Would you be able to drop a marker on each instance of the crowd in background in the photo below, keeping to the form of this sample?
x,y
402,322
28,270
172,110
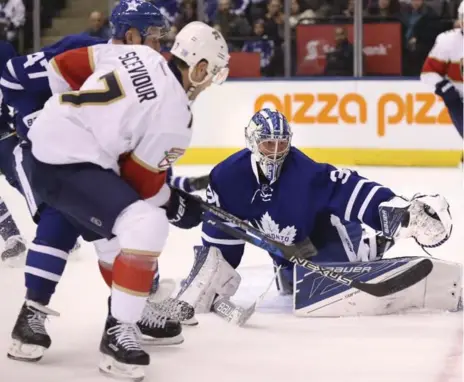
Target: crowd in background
x,y
258,25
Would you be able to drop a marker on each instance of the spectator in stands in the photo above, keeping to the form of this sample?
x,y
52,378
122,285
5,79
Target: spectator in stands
x,y
187,14
349,10
325,9
297,16
340,61
12,18
98,26
421,28
258,9
274,21
237,7
346,7
385,9
168,40
169,9
262,45
231,24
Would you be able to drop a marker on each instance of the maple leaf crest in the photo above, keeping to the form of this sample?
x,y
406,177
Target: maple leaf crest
x,y
268,226
290,233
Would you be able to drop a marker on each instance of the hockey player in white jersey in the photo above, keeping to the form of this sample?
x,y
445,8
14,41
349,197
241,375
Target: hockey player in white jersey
x,y
289,197
116,137
443,70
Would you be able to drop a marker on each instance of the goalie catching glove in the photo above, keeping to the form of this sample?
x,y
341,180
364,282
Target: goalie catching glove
x,y
426,218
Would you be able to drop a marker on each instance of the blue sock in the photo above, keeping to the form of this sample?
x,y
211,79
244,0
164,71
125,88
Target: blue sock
x,y
48,255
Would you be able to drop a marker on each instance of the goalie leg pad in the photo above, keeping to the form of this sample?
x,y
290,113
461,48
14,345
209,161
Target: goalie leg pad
x,y
316,296
211,275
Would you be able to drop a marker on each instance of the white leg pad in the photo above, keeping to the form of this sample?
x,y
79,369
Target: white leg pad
x,y
443,287
210,276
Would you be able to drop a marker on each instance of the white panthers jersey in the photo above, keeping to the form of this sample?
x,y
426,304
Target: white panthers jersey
x,y
445,60
132,106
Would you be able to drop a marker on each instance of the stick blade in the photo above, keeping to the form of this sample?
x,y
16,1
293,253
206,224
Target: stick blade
x,y
399,282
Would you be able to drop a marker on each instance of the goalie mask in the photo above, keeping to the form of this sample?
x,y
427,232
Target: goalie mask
x,y
268,137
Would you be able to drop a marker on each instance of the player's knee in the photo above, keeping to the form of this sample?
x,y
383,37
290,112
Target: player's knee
x,y
107,250
142,227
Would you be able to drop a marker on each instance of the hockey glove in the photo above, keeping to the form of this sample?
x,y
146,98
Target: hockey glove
x,y
426,218
199,183
181,212
453,101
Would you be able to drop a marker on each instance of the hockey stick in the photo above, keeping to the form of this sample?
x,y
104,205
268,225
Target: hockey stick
x,y
296,253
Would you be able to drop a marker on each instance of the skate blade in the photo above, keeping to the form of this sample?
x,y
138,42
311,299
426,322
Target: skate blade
x,y
152,341
112,368
16,261
190,322
25,352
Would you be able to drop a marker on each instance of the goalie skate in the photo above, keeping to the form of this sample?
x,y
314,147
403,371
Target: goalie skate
x,y
30,338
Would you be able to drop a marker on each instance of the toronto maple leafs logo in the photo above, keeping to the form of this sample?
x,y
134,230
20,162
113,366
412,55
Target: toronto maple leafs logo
x,y
269,227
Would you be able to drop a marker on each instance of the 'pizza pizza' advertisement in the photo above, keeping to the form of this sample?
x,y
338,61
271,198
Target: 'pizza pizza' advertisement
x,y
367,122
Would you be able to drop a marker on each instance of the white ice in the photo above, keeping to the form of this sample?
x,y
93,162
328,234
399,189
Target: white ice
x,y
275,346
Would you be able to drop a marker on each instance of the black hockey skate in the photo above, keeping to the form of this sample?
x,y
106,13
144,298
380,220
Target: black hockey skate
x,y
30,338
157,328
123,356
174,309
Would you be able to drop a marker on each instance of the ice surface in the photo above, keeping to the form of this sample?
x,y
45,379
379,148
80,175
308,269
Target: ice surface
x,y
275,346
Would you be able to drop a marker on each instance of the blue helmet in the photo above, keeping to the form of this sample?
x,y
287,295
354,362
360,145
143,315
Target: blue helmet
x,y
269,137
139,14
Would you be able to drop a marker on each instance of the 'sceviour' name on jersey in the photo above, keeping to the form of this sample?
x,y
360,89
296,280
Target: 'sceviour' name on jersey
x,y
139,76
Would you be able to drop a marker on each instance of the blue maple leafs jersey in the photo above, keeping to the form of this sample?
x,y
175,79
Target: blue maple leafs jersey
x,y
309,199
7,52
24,82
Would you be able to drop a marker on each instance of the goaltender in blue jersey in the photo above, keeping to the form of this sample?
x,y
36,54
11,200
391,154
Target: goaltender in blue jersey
x,y
289,197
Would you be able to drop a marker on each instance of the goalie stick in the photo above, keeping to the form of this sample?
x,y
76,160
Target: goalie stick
x,y
298,253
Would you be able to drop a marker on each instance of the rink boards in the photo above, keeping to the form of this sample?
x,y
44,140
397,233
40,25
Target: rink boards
x,y
368,122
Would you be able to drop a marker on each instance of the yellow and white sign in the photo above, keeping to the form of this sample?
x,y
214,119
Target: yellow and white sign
x,y
341,122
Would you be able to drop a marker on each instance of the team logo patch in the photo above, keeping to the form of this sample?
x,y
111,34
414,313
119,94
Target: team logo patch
x,y
170,157
271,229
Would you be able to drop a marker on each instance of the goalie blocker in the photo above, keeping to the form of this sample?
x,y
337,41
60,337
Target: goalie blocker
x,y
318,296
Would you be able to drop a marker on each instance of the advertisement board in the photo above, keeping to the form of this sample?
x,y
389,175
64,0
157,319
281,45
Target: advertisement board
x,y
382,47
342,122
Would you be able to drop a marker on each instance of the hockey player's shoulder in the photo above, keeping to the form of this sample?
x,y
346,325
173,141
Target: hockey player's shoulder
x,y
73,41
234,168
450,36
300,161
304,169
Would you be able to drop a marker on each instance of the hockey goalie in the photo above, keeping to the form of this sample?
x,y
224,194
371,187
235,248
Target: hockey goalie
x,y
351,222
